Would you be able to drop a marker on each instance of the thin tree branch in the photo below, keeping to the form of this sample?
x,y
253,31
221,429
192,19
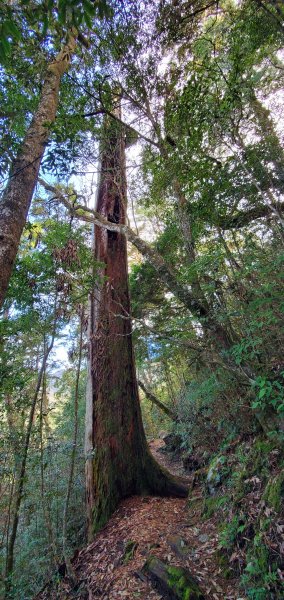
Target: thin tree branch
x,y
150,396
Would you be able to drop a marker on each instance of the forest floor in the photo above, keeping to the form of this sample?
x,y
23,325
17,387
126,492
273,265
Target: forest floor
x,y
111,568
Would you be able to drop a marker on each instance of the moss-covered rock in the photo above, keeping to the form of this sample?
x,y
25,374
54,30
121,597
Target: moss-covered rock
x,y
174,583
258,459
274,492
214,474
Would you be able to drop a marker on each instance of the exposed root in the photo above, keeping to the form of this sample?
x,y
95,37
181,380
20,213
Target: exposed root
x,y
162,483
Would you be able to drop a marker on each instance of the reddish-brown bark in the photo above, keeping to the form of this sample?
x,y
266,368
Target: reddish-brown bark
x,y
122,463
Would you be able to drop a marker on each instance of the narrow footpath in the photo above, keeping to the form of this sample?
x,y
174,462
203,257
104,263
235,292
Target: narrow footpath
x,y
173,530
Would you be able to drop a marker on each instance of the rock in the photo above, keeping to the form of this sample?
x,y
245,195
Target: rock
x,y
203,538
162,435
174,583
179,546
214,473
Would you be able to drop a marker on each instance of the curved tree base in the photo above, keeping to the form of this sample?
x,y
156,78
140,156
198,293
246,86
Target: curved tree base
x,y
161,482
153,479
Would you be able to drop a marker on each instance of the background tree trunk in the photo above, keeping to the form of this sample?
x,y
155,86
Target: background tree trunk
x,y
152,398
17,500
18,194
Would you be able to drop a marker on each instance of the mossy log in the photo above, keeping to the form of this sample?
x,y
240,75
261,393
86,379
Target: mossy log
x,y
174,583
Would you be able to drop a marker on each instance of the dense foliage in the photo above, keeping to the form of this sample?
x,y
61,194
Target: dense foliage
x,y
202,105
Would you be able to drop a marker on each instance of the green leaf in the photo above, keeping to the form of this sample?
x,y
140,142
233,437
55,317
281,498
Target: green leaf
x,y
5,47
88,20
12,29
89,8
45,24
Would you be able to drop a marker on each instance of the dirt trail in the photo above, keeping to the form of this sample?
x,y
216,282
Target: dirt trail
x,y
110,567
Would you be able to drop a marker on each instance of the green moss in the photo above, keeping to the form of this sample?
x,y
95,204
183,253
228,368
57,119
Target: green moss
x,y
274,492
239,485
130,548
173,581
258,460
181,585
213,503
174,571
223,561
209,507
261,553
193,501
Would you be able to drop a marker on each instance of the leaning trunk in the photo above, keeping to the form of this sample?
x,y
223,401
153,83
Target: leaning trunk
x,y
122,464
18,194
152,398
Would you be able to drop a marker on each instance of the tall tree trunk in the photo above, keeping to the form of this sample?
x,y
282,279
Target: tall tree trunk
x,y
217,338
17,500
70,570
89,427
122,463
18,194
45,500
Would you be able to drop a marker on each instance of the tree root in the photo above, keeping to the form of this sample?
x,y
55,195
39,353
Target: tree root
x,y
161,482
